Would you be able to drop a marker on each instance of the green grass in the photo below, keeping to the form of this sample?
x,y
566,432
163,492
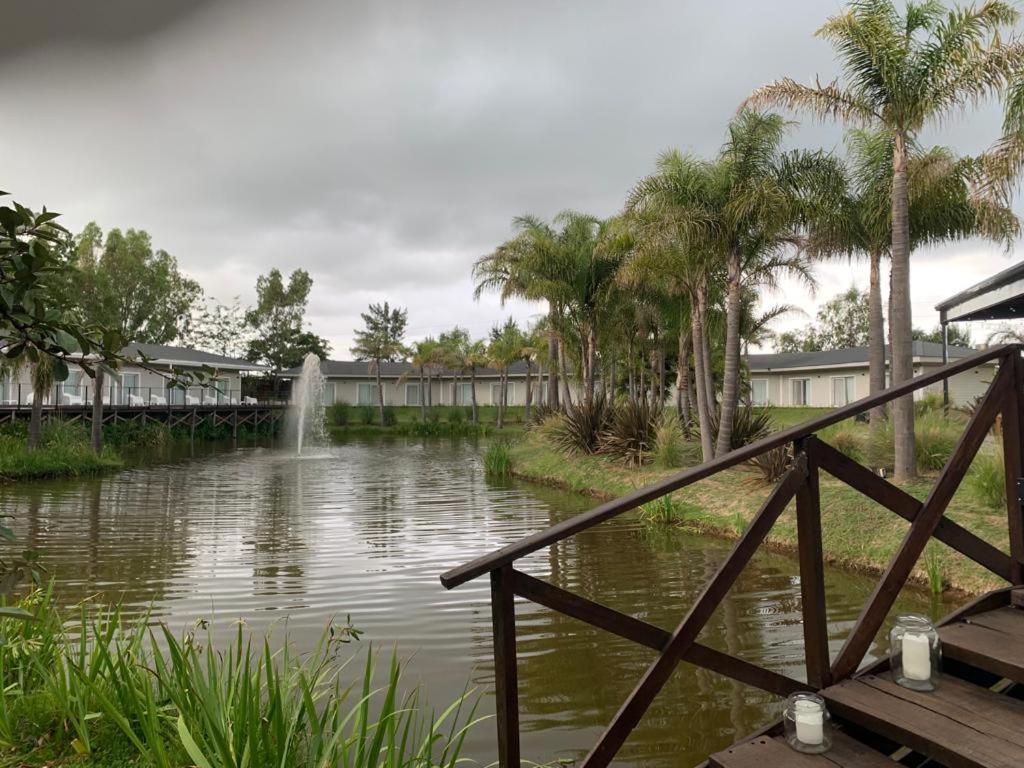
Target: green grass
x,y
106,691
498,460
857,533
788,417
64,452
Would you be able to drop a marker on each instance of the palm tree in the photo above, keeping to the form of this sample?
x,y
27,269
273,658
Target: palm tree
x,y
420,355
903,72
942,206
505,347
42,377
379,341
476,355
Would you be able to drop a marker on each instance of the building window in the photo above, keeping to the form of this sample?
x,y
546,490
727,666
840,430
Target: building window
x,y
462,393
842,390
412,394
495,394
759,391
329,394
129,387
801,391
367,394
175,395
219,391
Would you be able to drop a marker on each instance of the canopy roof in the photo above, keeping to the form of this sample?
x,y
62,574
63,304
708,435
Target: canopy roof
x,y
1000,297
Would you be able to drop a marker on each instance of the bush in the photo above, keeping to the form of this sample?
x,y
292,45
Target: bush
x,y
668,441
929,402
338,415
456,415
630,430
541,412
367,414
986,480
390,418
749,425
772,465
847,440
579,429
498,460
935,438
133,434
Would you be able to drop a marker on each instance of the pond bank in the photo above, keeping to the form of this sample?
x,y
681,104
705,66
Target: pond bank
x,y
857,533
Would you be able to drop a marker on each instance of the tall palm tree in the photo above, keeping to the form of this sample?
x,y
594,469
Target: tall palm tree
x,y
505,348
476,355
41,374
942,206
903,72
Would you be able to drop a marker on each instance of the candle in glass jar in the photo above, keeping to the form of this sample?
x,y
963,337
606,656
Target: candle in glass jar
x,y
809,720
917,657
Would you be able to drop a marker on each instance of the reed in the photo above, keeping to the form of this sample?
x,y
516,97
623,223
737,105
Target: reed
x,y
498,460
106,685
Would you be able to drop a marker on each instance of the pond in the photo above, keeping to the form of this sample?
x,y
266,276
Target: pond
x,y
365,527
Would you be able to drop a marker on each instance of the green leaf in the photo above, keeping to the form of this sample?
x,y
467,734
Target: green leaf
x,y
9,612
190,745
60,370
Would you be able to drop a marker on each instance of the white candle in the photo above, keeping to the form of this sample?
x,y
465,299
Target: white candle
x,y
810,724
917,657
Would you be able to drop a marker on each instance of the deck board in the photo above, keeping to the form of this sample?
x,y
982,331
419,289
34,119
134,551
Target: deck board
x,y
767,752
992,641
959,724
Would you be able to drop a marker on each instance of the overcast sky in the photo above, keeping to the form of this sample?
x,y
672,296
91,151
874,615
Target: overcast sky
x,y
384,146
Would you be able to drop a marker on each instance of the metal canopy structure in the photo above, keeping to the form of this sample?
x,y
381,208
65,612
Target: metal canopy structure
x,y
1000,297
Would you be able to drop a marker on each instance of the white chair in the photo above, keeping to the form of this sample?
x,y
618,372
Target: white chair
x,y
234,401
249,400
157,400
136,400
191,400
67,398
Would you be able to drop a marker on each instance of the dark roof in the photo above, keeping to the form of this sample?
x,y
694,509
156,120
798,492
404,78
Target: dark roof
x,y
161,353
1000,297
361,369
851,356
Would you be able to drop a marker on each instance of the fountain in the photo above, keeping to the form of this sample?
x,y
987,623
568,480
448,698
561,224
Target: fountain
x,y
306,413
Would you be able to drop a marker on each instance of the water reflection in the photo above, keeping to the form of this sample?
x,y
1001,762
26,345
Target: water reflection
x,y
366,527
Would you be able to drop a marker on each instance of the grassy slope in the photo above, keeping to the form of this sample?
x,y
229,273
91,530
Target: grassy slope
x,y
61,460
857,533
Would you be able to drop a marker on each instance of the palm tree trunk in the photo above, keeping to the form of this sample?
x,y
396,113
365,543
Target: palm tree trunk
x,y
683,378
423,399
552,361
731,372
501,398
591,354
380,394
705,349
35,421
529,391
900,320
566,393
430,388
876,339
707,447
472,391
96,427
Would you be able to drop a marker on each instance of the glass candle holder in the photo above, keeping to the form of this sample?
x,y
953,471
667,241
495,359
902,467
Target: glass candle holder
x,y
915,652
807,722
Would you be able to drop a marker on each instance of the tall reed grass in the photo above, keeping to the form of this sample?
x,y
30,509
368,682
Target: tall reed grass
x,y
498,460
103,684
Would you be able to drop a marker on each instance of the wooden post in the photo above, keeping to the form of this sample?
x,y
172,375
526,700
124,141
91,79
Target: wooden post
x,y
1013,468
506,683
812,570
193,434
234,424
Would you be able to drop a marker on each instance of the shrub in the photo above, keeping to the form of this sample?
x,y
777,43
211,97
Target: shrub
x,y
986,480
339,414
433,416
668,441
929,402
578,430
772,465
749,425
498,460
879,445
847,440
629,432
366,414
390,417
541,412
456,415
133,434
935,438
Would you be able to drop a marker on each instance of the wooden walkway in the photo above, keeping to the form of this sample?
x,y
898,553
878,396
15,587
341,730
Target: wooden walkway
x,y
974,718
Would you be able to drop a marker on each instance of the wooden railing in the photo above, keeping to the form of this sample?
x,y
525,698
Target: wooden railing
x,y
811,455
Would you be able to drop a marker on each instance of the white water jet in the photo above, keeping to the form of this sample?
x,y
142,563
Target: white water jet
x,y
306,412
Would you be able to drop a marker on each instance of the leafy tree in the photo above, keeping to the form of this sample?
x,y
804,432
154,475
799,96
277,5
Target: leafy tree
x,y
380,341
842,323
218,328
959,335
278,319
903,72
126,286
503,349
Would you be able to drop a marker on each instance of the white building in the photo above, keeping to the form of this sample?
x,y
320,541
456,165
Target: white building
x,y
136,385
836,377
349,381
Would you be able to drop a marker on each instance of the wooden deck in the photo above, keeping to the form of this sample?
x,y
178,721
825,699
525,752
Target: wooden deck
x,y
974,718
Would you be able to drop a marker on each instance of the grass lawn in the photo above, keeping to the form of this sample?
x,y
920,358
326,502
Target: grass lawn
x,y
857,533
